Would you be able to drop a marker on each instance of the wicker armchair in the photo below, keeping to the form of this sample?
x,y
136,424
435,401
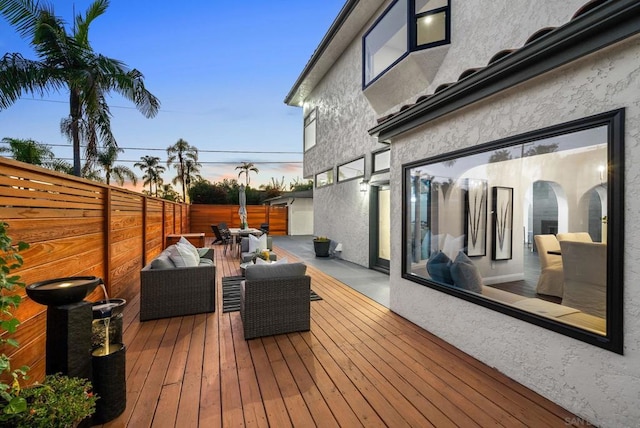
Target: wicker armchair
x,y
275,300
178,291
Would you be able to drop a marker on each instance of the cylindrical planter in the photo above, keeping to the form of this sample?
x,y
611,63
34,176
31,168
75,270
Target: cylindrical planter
x,y
321,248
109,383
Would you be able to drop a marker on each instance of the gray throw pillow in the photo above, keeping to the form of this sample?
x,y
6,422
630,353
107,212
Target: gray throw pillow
x,y
163,261
275,270
465,274
439,268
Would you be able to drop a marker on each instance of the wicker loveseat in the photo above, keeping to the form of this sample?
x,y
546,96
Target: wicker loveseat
x,y
274,299
169,291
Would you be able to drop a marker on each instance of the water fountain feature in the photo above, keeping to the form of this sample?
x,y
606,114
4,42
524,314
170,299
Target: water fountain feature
x,y
84,339
108,357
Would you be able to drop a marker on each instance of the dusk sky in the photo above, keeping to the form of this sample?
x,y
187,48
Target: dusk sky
x,y
221,70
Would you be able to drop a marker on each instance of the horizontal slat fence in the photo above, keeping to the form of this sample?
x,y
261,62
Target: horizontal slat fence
x,y
203,216
76,227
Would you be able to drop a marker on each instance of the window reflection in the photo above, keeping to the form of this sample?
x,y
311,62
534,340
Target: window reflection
x,y
522,225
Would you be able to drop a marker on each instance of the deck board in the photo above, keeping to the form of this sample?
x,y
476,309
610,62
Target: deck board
x,y
359,365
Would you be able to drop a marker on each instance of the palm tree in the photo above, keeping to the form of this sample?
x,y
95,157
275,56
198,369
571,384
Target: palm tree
x,y
178,155
192,171
152,169
67,61
27,150
30,151
167,192
245,168
107,159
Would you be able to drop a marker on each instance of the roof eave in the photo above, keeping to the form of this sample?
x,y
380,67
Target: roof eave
x,y
322,47
605,25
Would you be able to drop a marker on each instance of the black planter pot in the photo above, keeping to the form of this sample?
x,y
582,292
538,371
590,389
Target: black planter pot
x,y
321,248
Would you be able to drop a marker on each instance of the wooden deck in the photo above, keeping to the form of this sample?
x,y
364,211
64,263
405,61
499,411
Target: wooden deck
x,y
360,365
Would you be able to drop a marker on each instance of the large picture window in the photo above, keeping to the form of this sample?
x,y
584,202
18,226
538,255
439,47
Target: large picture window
x,y
548,205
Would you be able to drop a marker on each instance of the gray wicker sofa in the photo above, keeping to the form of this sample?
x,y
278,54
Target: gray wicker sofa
x,y
170,291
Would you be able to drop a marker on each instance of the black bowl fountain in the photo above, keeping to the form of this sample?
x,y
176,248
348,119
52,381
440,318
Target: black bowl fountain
x,y
107,326
62,291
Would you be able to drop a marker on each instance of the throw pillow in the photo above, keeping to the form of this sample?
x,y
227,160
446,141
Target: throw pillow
x,y
184,241
452,245
182,256
465,274
257,244
439,267
163,261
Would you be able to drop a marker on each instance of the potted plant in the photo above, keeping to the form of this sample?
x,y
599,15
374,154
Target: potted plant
x,y
321,246
60,401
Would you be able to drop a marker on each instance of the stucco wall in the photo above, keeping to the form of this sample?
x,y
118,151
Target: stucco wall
x,y
301,216
596,384
344,116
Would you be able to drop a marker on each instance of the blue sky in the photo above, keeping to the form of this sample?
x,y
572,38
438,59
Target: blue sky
x,y
221,70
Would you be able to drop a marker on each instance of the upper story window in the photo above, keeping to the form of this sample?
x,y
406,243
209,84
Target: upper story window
x,y
353,169
324,178
381,161
310,129
431,22
405,26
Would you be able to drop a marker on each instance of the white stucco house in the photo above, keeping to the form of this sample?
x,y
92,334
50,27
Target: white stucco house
x,y
451,141
299,205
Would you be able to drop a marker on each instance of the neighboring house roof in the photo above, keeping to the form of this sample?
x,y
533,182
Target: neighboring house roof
x,y
595,25
288,195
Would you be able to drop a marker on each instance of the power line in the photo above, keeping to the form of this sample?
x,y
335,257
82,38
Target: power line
x,y
199,151
209,162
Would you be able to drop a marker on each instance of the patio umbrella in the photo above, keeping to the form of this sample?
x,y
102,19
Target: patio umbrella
x,y
242,211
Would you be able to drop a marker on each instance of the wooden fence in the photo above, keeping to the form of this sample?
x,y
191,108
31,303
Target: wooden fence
x,y
203,216
77,227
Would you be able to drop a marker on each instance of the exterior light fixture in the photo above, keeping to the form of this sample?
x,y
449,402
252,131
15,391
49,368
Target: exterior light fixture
x,y
364,186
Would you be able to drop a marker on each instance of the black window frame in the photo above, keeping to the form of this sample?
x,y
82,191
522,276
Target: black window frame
x,y
364,167
412,34
307,122
613,340
373,161
413,28
333,178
